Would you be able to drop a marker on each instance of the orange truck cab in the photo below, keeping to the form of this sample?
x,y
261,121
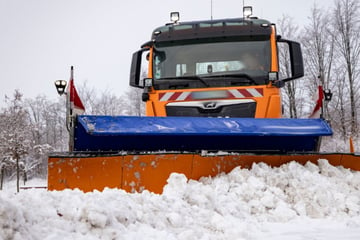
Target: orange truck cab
x,y
214,68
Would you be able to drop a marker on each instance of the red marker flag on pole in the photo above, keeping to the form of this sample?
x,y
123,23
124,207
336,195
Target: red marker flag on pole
x,y
76,105
319,103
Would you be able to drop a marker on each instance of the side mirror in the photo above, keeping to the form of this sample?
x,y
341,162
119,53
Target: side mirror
x,y
296,60
136,68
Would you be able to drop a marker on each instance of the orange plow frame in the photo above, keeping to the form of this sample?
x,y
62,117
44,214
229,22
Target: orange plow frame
x,y
135,173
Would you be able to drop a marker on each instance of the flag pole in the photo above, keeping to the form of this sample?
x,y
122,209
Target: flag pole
x,y
68,106
321,88
70,117
74,107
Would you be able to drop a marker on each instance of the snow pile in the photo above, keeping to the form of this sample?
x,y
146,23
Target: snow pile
x,y
293,201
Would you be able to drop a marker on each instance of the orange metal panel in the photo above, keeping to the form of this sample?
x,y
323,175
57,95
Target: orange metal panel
x,y
205,166
150,69
87,174
273,108
274,51
150,109
333,159
151,171
269,105
351,161
271,160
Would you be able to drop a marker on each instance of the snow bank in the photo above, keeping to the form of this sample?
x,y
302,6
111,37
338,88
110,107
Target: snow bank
x,y
293,201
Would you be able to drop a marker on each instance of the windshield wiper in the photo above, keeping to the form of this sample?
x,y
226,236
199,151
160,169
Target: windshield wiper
x,y
234,75
187,78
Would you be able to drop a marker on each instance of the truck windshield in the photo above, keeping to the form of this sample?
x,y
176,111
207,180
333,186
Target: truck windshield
x,y
246,62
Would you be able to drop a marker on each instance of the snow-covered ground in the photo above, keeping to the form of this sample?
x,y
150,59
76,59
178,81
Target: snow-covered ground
x,y
290,202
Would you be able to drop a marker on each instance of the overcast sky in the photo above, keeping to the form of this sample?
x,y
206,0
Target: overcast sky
x,y
41,39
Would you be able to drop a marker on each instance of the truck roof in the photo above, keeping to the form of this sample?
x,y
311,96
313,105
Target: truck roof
x,y
233,27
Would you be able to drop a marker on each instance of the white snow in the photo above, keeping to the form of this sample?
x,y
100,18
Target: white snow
x,y
289,202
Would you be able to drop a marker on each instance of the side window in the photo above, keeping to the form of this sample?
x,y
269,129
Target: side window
x,y
144,65
159,64
157,68
284,60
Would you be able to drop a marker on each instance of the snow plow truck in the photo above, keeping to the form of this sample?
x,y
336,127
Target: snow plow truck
x,y
212,95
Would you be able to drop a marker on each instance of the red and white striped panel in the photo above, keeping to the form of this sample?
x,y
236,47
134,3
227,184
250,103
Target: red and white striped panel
x,y
222,94
246,93
175,96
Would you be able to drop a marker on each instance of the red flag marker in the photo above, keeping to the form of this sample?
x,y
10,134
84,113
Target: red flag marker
x,y
76,105
319,103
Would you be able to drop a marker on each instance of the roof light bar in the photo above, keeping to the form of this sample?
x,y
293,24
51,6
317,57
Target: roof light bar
x,y
247,11
174,17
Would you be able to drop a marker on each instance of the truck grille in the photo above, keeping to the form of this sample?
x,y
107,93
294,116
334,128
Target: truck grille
x,y
244,108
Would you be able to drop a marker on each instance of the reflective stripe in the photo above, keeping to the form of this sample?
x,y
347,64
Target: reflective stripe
x,y
236,93
254,92
183,96
166,96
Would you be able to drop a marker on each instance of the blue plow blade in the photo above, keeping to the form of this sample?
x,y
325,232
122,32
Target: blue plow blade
x,y
128,133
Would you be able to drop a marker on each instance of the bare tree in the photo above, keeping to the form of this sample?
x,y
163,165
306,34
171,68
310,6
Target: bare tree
x,y
4,158
292,92
340,105
47,121
2,172
134,104
105,103
347,31
15,141
35,108
133,99
108,104
318,49
88,96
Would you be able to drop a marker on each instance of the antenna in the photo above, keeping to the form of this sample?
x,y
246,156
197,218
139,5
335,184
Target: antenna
x,y
211,3
243,8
